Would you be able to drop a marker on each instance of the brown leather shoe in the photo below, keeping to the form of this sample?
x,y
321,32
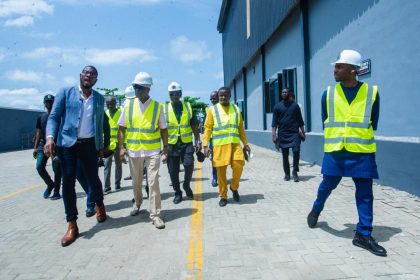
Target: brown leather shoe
x,y
71,234
100,214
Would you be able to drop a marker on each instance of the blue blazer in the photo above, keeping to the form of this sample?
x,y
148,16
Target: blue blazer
x,y
64,119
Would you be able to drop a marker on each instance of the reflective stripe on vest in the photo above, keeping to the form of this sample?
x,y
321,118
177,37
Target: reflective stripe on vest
x,y
226,126
113,125
183,128
142,128
348,126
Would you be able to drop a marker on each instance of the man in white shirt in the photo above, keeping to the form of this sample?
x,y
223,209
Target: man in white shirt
x,y
143,125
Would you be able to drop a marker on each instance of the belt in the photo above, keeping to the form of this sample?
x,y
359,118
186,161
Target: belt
x,y
85,140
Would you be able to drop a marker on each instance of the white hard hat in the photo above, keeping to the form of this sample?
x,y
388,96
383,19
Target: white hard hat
x,y
129,91
174,86
143,79
349,57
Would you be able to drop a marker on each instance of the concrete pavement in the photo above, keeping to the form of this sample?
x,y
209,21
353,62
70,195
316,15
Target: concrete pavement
x,y
264,236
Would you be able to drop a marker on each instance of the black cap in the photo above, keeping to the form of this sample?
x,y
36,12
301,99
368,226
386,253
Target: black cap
x,y
48,97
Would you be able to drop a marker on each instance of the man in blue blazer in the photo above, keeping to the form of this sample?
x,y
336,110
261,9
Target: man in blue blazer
x,y
77,119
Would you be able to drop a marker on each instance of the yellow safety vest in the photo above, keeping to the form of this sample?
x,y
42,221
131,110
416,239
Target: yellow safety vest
x,y
113,125
183,128
142,129
348,125
226,126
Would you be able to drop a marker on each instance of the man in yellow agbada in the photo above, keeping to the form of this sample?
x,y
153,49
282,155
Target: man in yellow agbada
x,y
225,125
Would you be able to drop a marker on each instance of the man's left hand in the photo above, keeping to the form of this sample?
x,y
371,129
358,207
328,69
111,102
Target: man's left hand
x,y
198,147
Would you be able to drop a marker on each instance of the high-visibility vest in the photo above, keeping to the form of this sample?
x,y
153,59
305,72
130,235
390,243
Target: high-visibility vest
x,y
142,128
179,129
226,126
349,125
113,125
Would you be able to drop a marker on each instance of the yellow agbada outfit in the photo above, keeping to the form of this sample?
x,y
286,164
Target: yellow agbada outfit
x,y
227,154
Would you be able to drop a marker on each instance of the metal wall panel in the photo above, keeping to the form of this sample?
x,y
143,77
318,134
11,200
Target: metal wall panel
x,y
237,49
18,129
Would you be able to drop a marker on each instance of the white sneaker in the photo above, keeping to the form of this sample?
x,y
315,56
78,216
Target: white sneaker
x,y
135,211
158,223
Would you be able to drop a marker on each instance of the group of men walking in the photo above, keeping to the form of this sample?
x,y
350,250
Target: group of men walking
x,y
79,132
149,132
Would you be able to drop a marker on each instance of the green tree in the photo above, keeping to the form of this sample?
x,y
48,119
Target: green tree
x,y
196,105
111,91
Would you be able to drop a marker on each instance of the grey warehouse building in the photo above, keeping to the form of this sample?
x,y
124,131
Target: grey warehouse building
x,y
271,44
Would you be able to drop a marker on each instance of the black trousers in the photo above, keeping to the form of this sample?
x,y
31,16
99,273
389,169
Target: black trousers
x,y
296,157
186,156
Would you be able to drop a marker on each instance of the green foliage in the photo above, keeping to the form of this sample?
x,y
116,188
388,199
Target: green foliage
x,y
108,91
196,105
111,91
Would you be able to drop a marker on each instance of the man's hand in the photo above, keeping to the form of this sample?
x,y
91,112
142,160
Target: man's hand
x,y
198,147
247,148
274,138
207,151
35,153
123,151
302,135
49,148
101,153
165,154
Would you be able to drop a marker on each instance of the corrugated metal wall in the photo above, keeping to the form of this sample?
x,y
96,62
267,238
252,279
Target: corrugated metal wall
x,y
237,49
17,129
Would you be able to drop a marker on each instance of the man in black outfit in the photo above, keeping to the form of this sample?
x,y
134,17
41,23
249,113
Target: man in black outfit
x,y
182,125
288,130
41,158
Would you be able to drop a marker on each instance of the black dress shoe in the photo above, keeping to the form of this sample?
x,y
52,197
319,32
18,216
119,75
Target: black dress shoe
x,y
287,177
235,195
312,219
222,202
90,212
295,177
367,242
177,198
189,192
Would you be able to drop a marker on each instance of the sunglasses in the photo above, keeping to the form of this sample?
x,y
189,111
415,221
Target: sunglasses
x,y
175,94
89,73
214,98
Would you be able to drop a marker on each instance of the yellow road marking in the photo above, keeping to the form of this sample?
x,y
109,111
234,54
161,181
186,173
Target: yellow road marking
x,y
3,197
195,251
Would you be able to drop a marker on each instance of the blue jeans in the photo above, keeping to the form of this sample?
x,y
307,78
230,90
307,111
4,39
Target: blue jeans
x,y
81,178
41,162
364,200
87,155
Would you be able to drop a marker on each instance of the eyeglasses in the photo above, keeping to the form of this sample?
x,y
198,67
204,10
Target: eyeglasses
x,y
89,73
214,98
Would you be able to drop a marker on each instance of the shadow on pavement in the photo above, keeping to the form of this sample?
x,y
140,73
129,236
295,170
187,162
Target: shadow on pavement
x,y
112,223
305,178
142,217
166,195
248,198
173,214
210,195
123,204
380,233
199,179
